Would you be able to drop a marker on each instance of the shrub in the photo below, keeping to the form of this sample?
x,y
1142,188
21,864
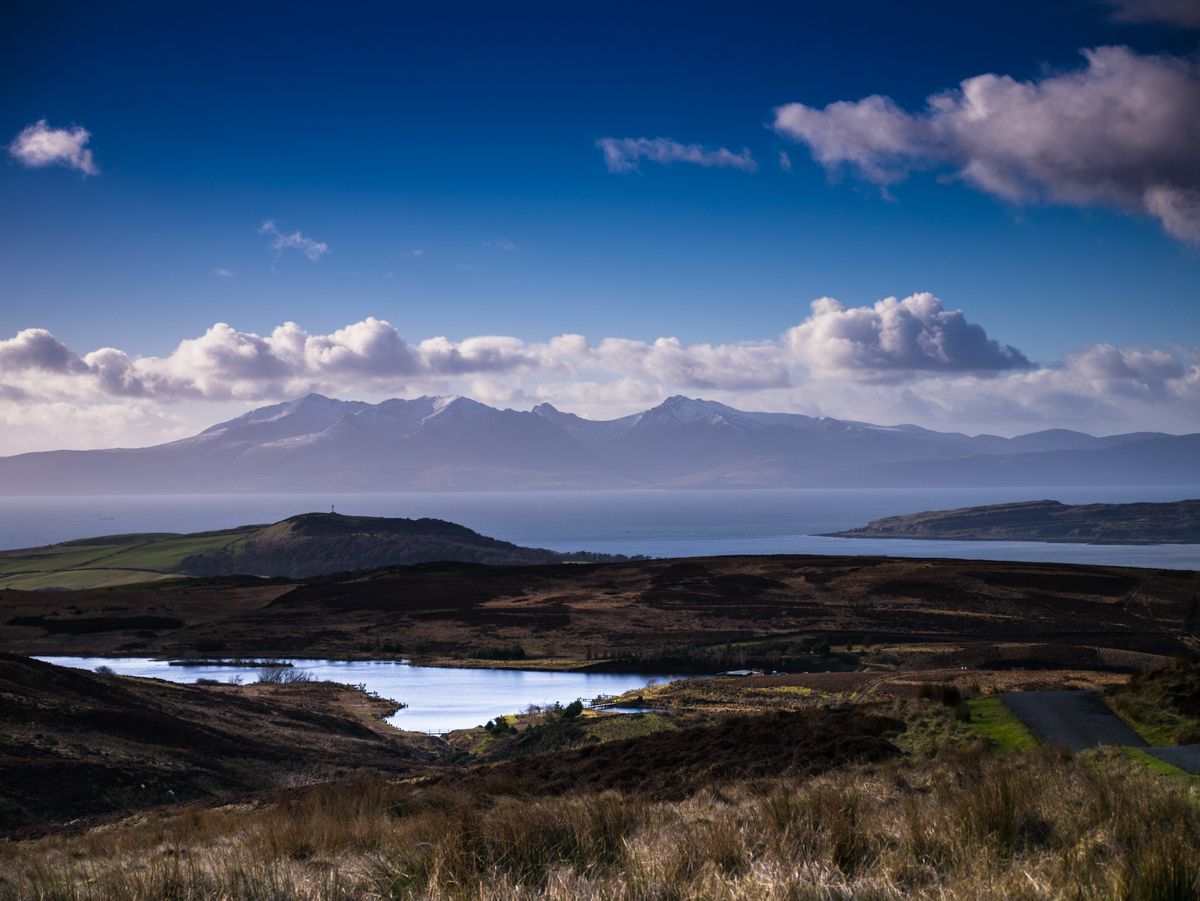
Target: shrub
x,y
282,675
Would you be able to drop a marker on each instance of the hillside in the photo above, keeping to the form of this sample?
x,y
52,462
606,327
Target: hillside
x,y
697,614
79,744
1177,522
319,444
310,544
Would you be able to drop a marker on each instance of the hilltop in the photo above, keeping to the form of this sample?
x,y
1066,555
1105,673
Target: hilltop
x,y
1177,522
310,544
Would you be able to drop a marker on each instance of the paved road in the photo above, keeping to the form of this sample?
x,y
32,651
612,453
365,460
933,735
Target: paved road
x,y
1077,720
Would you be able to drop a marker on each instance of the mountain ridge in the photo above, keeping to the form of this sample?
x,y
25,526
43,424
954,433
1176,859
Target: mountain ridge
x,y
318,443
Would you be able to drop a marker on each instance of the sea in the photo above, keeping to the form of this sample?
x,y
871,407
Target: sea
x,y
656,523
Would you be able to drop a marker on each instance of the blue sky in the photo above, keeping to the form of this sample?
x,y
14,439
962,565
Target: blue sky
x,y
447,157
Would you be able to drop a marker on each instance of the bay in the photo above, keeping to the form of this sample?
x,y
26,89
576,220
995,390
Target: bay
x,y
660,523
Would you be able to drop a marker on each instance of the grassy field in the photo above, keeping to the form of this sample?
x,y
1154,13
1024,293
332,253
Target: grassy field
x,y
110,561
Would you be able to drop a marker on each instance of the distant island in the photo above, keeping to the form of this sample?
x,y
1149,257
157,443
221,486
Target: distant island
x,y
1177,522
311,544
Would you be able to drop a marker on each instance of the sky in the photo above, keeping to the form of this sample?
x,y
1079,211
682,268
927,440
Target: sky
x,y
976,217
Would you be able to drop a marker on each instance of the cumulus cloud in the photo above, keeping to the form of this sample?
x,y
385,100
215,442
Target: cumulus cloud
x,y
38,350
1121,132
891,361
314,250
624,154
916,334
39,145
1183,13
705,367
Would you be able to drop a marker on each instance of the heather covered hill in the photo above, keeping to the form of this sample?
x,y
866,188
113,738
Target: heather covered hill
x,y
1177,522
80,744
699,614
310,544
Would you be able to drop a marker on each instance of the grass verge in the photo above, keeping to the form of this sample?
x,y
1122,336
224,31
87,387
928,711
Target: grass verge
x,y
996,723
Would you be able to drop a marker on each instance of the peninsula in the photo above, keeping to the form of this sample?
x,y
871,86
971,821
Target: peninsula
x,y
1177,522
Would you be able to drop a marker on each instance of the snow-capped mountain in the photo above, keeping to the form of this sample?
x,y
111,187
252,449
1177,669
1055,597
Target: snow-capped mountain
x,y
318,443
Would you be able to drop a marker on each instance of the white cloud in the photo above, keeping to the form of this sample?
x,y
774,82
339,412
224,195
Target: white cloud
x,y
1121,132
785,161
314,250
81,426
1184,13
891,361
222,272
506,246
668,361
624,154
40,145
913,335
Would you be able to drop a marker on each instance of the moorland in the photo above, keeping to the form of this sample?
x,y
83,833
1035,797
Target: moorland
x,y
871,755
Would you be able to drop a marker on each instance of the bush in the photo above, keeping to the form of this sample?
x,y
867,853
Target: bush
x,y
282,675
945,693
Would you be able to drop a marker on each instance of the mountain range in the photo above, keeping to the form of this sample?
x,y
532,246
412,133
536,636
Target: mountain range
x,y
317,443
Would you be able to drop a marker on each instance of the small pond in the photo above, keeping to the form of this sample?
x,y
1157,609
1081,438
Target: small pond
x,y
438,698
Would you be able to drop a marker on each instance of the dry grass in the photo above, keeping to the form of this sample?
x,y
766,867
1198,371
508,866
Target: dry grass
x,y
968,825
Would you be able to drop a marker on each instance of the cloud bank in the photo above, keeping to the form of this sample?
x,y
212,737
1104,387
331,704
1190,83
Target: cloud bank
x,y
1121,132
897,360
38,145
624,154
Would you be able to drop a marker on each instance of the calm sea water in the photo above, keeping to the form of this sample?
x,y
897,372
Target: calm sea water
x,y
438,698
654,522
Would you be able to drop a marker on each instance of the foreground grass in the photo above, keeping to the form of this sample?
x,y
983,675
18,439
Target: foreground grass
x,y
969,825
1161,767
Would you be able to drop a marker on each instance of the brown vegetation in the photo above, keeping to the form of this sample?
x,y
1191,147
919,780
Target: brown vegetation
x,y
1162,704
703,614
77,744
966,825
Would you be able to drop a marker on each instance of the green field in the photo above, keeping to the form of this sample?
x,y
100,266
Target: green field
x,y
112,559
